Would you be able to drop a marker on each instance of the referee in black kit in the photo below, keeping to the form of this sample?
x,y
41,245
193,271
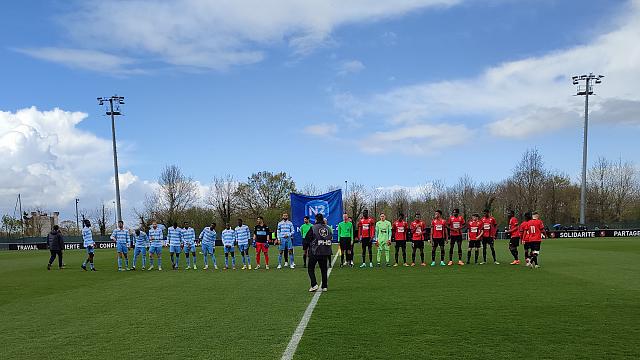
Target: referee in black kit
x,y
319,238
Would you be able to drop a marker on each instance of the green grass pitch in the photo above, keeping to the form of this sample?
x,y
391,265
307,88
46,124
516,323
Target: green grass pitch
x,y
583,303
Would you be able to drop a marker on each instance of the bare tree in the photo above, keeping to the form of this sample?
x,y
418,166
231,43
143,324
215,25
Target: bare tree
x,y
399,200
176,194
528,179
265,191
357,200
222,197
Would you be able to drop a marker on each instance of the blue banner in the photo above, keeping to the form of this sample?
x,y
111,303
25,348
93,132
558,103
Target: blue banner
x,y
329,205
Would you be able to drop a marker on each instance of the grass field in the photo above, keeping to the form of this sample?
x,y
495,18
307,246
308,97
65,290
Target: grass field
x,y
583,303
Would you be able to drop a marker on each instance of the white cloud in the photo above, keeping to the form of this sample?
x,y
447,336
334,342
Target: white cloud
x,y
322,129
350,67
84,59
416,139
211,34
523,97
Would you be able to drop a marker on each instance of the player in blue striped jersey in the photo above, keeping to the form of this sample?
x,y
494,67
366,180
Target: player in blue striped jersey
x,y
228,241
121,236
140,240
174,235
208,238
89,244
155,248
285,233
189,242
243,236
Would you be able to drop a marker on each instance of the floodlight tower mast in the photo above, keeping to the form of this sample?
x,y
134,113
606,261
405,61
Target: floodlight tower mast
x,y
117,100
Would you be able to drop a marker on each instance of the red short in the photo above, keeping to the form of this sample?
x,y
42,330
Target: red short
x,y
262,247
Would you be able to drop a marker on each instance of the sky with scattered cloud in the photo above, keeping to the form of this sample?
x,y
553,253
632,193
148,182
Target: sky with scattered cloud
x,y
391,94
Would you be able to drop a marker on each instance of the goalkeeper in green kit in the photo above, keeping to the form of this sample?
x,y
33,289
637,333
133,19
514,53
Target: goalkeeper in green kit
x,y
383,238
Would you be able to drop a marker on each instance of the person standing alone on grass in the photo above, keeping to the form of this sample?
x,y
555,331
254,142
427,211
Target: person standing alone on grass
x,y
174,235
121,236
489,230
417,239
261,238
229,241
455,224
399,234
56,246
285,231
475,230
514,237
345,237
140,248
208,240
320,239
304,228
243,234
383,238
366,232
155,248
438,235
189,241
89,244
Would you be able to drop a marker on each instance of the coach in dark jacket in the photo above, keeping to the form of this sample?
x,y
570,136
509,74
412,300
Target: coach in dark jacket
x,y
319,238
56,245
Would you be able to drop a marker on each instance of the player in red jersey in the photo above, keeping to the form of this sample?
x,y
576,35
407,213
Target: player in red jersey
x,y
438,236
474,227
418,227
524,236
366,231
535,234
455,224
399,235
514,237
489,230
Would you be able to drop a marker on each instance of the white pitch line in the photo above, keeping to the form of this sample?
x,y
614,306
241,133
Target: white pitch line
x,y
302,325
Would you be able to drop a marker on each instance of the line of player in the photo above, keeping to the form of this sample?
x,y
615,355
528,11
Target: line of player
x,y
480,230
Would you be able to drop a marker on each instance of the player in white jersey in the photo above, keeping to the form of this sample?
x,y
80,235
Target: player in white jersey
x,y
121,236
208,241
155,248
284,234
140,242
243,236
174,235
189,241
228,241
89,244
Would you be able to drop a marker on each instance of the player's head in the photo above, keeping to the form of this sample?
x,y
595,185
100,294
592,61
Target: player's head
x,y
475,216
175,224
56,228
185,224
365,213
227,225
350,219
260,220
137,232
456,212
319,219
306,219
535,215
285,216
86,223
120,224
438,214
511,214
383,216
239,222
527,216
417,216
345,217
213,225
154,224
401,216
486,212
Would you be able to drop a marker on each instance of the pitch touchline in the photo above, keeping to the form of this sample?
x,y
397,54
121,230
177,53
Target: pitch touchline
x,y
297,335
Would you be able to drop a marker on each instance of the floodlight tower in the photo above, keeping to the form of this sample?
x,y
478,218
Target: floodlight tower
x,y
585,90
111,111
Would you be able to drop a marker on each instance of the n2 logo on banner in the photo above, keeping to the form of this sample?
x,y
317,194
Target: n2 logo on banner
x,y
329,205
315,207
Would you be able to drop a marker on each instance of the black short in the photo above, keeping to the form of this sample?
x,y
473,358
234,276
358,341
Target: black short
x,y
345,243
534,245
456,238
474,244
514,242
487,240
305,245
438,242
366,242
418,244
401,244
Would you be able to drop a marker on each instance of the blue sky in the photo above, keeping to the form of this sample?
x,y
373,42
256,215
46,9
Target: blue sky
x,y
408,91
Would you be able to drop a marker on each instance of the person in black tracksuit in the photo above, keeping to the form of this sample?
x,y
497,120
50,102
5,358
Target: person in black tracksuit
x,y
56,245
319,238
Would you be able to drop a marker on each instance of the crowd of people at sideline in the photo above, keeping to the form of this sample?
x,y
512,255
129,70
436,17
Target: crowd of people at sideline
x,y
479,230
